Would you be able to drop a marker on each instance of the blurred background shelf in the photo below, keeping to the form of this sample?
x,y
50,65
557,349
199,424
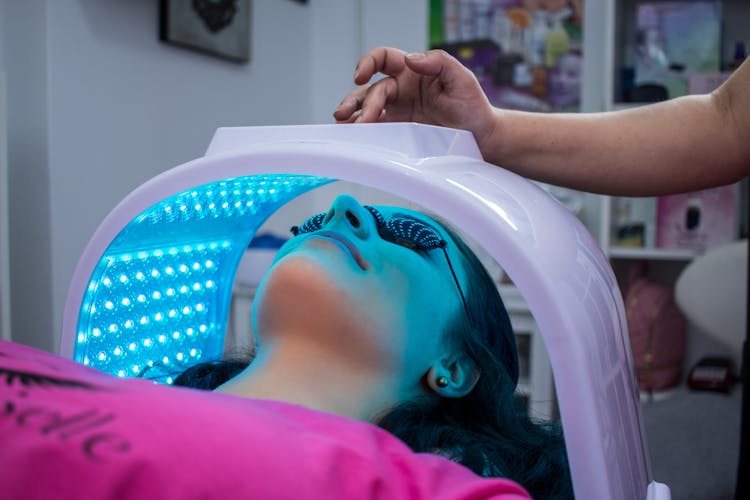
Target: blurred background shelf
x,y
617,252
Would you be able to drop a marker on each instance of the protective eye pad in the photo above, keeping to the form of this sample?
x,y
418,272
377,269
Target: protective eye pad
x,y
314,223
411,233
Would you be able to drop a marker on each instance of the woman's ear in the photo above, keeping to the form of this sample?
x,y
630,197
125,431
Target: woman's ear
x,y
453,377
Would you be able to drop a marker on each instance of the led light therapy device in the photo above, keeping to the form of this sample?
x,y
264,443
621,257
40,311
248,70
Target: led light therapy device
x,y
150,295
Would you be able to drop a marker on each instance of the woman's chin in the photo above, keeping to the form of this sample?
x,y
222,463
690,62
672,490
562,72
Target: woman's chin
x,y
299,297
302,273
300,288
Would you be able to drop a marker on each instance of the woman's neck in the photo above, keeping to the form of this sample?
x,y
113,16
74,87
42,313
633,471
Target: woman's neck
x,y
297,370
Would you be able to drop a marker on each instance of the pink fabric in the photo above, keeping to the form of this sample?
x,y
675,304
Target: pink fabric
x,y
68,431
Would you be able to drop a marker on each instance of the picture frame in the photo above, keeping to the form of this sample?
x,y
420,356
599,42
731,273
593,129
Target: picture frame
x,y
218,28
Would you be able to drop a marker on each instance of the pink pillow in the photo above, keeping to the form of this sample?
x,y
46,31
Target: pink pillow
x,y
69,431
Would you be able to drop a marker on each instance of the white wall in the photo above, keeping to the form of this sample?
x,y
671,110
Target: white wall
x,y
98,105
4,219
4,243
335,46
392,23
395,23
2,33
342,30
124,107
25,57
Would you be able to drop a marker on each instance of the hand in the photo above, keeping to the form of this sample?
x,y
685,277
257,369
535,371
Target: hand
x,y
430,87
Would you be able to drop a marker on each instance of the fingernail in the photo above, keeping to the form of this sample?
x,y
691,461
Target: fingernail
x,y
415,55
356,72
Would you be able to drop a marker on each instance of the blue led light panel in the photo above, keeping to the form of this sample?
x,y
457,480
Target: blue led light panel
x,y
158,299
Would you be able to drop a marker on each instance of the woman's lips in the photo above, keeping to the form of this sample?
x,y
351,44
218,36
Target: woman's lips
x,y
342,240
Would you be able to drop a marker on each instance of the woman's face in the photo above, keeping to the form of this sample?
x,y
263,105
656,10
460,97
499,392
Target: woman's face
x,y
381,302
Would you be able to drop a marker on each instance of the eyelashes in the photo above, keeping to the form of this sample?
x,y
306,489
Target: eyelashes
x,y
402,230
314,223
379,219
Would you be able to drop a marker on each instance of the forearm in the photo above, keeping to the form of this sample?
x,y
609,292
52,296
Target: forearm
x,y
679,145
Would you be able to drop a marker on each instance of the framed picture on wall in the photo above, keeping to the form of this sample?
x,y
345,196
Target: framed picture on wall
x,y
217,27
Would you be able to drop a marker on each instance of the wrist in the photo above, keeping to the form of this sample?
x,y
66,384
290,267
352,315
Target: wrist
x,y
490,136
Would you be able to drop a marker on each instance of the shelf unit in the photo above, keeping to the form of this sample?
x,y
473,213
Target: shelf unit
x,y
609,44
618,252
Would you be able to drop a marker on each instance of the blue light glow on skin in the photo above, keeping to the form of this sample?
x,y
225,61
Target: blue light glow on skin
x,y
351,323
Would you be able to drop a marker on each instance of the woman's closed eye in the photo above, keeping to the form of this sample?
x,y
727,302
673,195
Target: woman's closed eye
x,y
402,229
407,231
314,223
411,233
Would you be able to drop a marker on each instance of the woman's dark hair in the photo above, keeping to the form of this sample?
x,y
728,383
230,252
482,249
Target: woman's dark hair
x,y
488,430
210,375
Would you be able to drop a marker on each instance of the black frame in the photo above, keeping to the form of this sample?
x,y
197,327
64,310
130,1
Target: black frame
x,y
221,30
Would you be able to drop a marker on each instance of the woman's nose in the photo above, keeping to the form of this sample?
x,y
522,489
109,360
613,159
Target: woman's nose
x,y
347,212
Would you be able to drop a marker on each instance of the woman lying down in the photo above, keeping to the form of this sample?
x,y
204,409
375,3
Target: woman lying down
x,y
370,315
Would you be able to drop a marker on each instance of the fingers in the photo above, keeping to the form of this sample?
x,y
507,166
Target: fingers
x,y
349,119
403,74
367,104
428,63
376,98
437,63
392,62
386,60
350,105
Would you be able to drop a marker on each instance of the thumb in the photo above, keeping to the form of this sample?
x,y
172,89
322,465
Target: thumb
x,y
434,63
